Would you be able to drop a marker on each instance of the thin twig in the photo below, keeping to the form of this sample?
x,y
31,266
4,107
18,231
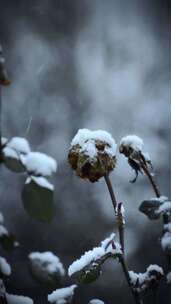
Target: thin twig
x,y
134,292
151,179
120,222
111,192
155,188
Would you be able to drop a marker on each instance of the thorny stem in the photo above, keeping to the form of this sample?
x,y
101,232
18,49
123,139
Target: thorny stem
x,y
120,221
155,188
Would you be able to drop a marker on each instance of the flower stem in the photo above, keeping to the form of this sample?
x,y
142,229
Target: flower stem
x,y
155,188
119,217
120,222
134,292
111,192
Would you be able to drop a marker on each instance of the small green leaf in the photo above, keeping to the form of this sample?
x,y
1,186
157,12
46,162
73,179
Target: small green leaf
x,y
38,201
89,274
50,280
149,208
12,160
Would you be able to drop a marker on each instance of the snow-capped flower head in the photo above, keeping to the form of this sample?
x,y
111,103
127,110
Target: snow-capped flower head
x,y
132,147
92,154
129,144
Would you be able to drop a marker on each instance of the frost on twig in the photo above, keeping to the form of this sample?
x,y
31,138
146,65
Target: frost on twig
x,y
46,268
132,147
88,268
147,280
92,154
62,295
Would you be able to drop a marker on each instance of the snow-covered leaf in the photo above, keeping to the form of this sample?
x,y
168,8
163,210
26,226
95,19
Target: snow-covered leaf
x,y
88,268
12,160
15,299
38,201
89,274
46,268
40,164
62,295
19,144
5,268
151,206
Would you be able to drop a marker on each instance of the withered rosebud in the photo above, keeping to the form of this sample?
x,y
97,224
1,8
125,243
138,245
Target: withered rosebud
x,y
131,146
4,80
92,154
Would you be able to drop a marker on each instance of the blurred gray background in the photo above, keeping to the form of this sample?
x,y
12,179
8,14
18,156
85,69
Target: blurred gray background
x,y
99,65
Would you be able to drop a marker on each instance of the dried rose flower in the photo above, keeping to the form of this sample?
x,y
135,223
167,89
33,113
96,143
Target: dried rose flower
x,y
92,154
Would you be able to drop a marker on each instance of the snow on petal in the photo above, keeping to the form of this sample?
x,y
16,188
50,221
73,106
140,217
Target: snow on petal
x,y
40,164
5,268
61,295
132,141
19,144
14,299
86,135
